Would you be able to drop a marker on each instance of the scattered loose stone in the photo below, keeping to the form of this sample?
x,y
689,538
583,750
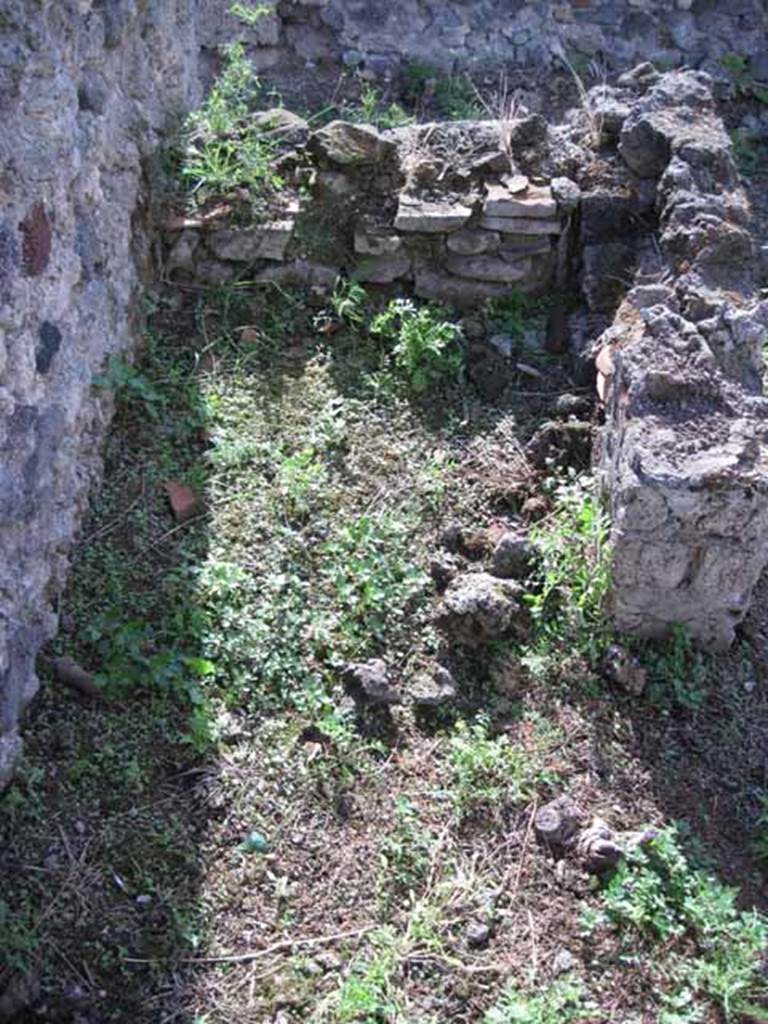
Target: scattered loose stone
x,y
478,607
443,568
567,194
514,557
600,847
516,183
352,144
477,934
563,962
534,507
569,442
368,682
183,500
624,669
67,671
472,542
572,405
504,344
557,822
286,126
434,688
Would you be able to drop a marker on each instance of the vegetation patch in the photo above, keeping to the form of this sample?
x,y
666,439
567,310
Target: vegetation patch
x,y
228,799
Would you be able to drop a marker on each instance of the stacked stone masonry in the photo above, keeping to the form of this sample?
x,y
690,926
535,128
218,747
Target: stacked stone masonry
x,y
380,39
482,234
684,457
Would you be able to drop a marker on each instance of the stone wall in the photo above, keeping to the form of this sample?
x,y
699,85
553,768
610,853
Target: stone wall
x,y
684,459
86,90
380,37
441,207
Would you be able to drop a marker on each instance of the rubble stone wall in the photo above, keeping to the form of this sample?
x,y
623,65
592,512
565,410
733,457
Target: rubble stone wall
x,y
684,456
402,205
86,90
379,38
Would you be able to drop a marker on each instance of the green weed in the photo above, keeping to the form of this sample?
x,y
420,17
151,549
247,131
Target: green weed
x,y
371,109
743,77
132,655
18,938
130,385
454,95
562,1001
750,151
427,346
677,671
405,853
713,948
251,15
368,994
513,315
568,597
489,772
349,300
221,150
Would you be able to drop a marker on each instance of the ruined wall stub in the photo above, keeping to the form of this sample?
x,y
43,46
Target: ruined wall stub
x,y
684,459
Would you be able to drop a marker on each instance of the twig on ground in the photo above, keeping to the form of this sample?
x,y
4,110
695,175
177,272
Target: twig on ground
x,y
258,954
169,533
523,853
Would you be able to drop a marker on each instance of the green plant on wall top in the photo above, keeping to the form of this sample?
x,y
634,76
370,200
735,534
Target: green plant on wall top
x,y
743,76
222,151
371,109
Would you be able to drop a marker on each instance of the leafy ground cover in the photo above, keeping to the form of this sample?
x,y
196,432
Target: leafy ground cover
x,y
228,837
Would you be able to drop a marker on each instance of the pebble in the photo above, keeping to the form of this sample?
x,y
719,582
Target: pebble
x,y
477,934
563,962
255,842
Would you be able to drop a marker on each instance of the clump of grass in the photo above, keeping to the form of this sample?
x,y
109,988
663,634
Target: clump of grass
x,y
221,151
454,95
712,948
373,109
